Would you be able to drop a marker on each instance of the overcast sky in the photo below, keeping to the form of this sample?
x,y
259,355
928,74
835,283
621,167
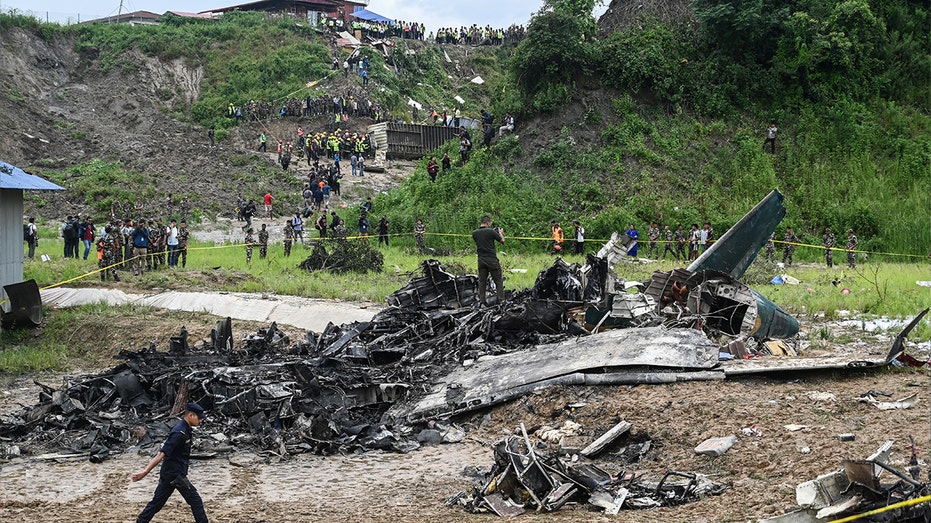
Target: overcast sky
x,y
433,13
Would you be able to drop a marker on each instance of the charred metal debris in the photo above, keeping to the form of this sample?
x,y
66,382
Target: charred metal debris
x,y
537,474
870,490
428,355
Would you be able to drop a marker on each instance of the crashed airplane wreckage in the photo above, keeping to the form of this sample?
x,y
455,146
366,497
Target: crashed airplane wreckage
x,y
430,354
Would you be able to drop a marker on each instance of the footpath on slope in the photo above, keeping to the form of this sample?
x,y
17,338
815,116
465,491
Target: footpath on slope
x,y
303,313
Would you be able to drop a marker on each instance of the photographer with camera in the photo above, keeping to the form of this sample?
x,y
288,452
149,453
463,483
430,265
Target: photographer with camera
x,y
485,237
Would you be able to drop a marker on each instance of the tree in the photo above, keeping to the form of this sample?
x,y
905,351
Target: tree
x,y
556,50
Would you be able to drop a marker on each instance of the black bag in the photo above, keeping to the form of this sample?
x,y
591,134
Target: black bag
x,y
181,483
27,233
71,231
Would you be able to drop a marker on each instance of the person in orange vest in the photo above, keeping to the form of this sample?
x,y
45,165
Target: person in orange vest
x,y
558,237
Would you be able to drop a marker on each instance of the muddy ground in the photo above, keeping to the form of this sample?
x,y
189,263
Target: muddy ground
x,y
762,470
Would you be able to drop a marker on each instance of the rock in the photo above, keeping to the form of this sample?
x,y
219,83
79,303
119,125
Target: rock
x,y
716,446
429,437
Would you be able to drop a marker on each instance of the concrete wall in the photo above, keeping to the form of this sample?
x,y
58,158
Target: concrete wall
x,y
11,238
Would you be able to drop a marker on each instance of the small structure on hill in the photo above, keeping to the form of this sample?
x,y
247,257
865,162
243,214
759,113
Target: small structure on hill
x,y
13,182
310,10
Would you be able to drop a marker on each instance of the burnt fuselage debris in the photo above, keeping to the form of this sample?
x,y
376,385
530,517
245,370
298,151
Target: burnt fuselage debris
x,y
530,474
431,353
871,490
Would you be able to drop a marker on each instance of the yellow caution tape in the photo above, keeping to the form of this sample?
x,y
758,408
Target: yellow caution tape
x,y
455,235
901,504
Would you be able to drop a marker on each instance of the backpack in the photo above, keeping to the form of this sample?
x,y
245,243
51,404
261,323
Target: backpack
x,y
71,231
27,233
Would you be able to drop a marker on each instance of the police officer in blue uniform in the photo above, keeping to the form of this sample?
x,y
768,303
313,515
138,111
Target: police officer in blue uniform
x,y
175,456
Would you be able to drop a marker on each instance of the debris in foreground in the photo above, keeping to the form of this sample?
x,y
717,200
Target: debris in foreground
x,y
869,490
526,476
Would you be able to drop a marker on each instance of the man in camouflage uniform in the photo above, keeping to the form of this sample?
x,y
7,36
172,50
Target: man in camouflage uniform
x,y
668,243
851,247
249,242
127,230
110,246
653,246
828,242
788,249
117,232
263,242
156,240
183,234
771,248
709,236
680,243
419,231
288,237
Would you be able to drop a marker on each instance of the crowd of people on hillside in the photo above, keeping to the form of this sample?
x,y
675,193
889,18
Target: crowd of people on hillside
x,y
340,145
354,103
407,30
475,35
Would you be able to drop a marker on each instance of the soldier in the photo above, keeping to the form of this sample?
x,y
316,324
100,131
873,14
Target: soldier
x,y
419,231
249,241
708,231
653,246
771,248
160,238
128,228
788,248
263,242
851,247
680,244
828,242
183,234
109,246
668,243
288,237
150,251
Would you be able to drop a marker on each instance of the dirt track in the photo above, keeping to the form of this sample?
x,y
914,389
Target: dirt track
x,y
763,471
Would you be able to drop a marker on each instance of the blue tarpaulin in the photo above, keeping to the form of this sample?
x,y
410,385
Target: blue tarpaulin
x,y
365,14
12,177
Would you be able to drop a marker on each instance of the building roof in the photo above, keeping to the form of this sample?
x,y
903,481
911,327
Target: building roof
x,y
326,5
189,15
12,177
125,18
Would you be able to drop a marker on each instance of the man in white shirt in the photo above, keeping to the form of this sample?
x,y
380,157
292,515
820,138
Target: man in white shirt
x,y
172,243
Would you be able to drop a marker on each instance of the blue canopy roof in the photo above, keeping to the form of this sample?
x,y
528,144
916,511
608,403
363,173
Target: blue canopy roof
x,y
12,177
365,14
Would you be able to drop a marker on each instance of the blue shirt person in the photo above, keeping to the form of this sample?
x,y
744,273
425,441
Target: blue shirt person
x,y
175,457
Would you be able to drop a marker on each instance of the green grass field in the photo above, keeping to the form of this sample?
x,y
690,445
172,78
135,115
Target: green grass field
x,y
880,288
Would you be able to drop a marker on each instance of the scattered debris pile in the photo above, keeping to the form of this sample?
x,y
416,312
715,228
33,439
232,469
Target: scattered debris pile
x,y
344,256
865,490
323,393
528,475
432,353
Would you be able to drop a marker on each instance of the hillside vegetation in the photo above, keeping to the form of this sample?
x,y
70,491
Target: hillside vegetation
x,y
662,121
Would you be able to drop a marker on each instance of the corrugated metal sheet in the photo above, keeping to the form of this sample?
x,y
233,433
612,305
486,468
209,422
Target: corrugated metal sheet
x,y
11,238
415,141
12,177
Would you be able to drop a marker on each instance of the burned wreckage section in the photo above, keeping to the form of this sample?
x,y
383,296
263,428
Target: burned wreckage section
x,y
433,353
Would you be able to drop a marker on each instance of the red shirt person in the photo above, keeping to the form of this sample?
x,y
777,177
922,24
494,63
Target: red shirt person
x,y
268,204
